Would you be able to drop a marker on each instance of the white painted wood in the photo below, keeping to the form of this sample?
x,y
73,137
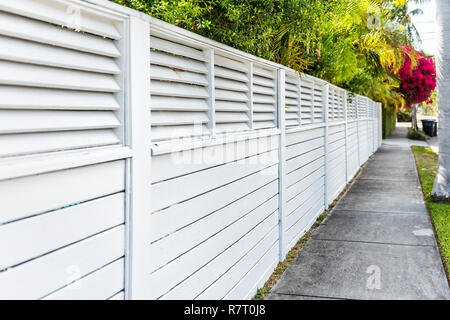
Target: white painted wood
x,y
39,277
140,166
99,285
46,77
29,29
19,121
255,277
118,296
62,13
33,143
40,193
233,277
177,62
166,222
176,48
175,75
35,236
31,52
180,242
14,97
171,192
164,279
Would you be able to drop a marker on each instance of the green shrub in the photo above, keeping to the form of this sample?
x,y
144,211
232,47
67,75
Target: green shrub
x,y
417,135
404,115
389,116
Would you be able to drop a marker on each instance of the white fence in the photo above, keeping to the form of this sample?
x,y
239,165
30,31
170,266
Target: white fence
x,y
139,160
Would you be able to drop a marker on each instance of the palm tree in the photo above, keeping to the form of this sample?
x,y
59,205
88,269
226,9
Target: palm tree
x,y
441,189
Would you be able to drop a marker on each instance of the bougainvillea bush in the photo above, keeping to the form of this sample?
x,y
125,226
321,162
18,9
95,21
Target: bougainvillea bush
x,y
417,84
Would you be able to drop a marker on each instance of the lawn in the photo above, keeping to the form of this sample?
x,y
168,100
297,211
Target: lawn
x,y
427,162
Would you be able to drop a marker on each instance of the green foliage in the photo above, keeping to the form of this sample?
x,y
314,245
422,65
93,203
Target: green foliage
x,y
404,115
427,162
417,135
355,44
389,116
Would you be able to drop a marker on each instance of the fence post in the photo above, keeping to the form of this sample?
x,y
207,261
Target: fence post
x,y
281,103
357,129
138,168
380,123
346,136
325,97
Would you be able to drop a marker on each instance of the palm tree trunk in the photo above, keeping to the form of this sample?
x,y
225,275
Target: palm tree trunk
x,y
441,189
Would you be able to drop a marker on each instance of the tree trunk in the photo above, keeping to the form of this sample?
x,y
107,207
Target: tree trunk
x,y
414,117
441,189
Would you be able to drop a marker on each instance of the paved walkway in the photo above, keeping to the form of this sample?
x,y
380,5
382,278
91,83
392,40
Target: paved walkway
x,y
378,242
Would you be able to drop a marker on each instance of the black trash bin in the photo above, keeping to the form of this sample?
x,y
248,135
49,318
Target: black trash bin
x,y
430,127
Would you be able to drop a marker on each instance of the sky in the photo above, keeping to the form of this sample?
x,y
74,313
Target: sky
x,y
425,24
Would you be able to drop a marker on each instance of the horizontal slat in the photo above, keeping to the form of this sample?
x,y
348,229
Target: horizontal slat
x,y
263,72
39,76
13,97
231,106
263,124
199,157
233,276
310,186
176,217
230,74
264,90
167,118
231,117
40,193
21,144
178,104
161,88
174,245
256,276
304,158
20,121
232,127
258,98
301,173
99,285
230,64
171,192
42,32
32,52
175,132
226,84
263,81
35,236
231,261
177,62
297,137
257,107
295,190
231,95
264,117
176,75
304,147
88,255
176,48
60,13
173,273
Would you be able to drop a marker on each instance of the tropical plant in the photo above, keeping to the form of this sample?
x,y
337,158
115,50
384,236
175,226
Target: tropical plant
x,y
417,83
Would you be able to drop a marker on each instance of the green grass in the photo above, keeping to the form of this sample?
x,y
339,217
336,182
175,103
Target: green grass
x,y
427,162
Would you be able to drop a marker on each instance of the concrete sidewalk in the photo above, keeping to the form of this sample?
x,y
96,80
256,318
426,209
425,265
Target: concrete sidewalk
x,y
378,242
